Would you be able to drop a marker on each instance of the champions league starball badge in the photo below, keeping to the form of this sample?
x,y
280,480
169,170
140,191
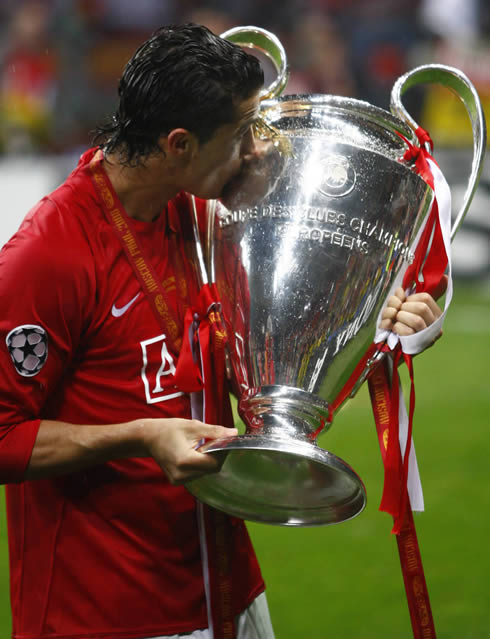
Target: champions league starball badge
x,y
28,348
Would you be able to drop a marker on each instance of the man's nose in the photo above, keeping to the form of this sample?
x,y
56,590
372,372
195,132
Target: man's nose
x,y
248,147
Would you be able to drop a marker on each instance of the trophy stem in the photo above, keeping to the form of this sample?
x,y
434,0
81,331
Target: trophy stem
x,y
284,411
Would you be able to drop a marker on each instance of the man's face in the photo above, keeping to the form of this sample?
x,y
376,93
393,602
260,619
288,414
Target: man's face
x,y
217,162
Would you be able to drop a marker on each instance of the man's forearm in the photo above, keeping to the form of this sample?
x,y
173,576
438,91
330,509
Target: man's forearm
x,y
62,448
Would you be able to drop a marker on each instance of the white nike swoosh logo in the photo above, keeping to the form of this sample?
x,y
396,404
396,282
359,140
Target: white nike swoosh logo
x,y
117,312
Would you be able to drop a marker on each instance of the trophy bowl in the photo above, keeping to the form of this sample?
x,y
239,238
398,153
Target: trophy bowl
x,y
302,275
304,263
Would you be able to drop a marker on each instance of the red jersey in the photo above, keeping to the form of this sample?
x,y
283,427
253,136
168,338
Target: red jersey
x,y
112,551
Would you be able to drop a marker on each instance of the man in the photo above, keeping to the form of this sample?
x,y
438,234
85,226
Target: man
x,y
102,542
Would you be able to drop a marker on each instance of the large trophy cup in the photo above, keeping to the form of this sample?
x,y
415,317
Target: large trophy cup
x,y
302,275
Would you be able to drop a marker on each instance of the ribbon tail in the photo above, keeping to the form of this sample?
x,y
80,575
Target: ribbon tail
x,y
201,367
392,487
187,375
210,339
413,482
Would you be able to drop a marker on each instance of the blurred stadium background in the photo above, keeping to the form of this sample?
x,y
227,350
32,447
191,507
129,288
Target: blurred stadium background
x,y
59,65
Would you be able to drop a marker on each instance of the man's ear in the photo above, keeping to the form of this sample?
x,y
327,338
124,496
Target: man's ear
x,y
180,143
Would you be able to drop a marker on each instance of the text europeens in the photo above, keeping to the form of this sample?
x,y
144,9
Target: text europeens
x,y
309,223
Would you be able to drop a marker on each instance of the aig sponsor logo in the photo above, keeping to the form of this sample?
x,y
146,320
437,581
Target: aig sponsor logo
x,y
158,371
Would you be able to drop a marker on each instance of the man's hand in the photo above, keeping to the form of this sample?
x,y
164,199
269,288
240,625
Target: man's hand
x,y
406,315
173,442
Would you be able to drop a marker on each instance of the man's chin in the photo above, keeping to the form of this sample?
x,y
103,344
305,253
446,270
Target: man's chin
x,y
208,195
232,193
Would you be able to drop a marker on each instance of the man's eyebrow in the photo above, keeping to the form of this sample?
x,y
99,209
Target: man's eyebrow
x,y
250,122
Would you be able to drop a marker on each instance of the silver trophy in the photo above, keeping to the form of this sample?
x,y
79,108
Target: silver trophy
x,y
304,257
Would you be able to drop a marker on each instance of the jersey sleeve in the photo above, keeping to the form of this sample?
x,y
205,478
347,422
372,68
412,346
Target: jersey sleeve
x,y
46,288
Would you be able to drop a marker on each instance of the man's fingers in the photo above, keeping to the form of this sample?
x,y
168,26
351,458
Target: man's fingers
x,y
208,431
419,310
387,318
386,325
402,329
394,301
192,463
196,465
215,432
173,443
196,429
389,313
411,320
424,299
400,294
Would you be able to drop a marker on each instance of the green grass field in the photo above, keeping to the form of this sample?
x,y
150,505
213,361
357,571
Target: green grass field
x,y
344,581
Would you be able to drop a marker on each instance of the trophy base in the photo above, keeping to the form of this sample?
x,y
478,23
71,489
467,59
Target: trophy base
x,y
280,481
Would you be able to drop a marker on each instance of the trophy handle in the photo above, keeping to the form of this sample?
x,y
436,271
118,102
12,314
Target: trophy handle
x,y
269,45
457,82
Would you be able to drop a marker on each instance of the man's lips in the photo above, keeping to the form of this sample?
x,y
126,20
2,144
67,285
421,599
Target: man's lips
x,y
257,177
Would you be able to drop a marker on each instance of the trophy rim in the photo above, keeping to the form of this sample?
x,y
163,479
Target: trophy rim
x,y
349,105
316,488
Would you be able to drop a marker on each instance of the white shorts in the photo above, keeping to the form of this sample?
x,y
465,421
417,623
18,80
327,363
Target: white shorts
x,y
252,623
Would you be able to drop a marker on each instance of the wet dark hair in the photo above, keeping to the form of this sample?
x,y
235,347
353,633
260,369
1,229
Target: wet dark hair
x,y
183,76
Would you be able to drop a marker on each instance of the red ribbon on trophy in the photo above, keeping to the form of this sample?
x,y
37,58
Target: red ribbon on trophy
x,y
202,356
423,275
431,259
408,548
